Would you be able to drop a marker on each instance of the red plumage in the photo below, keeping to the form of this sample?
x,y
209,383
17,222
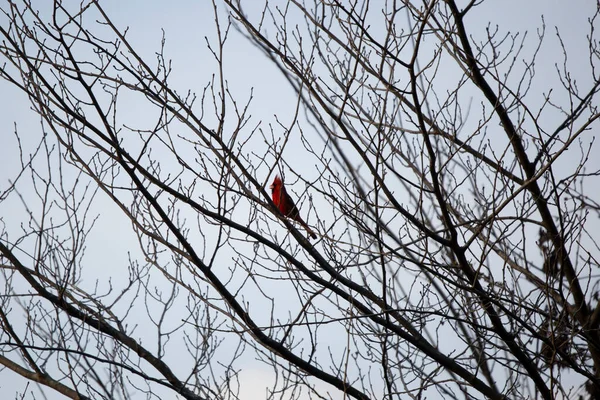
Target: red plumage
x,y
286,205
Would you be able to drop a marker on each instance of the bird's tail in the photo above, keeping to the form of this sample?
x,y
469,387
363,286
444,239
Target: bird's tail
x,y
310,232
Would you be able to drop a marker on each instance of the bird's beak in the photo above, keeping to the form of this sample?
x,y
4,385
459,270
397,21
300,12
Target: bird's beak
x,y
272,187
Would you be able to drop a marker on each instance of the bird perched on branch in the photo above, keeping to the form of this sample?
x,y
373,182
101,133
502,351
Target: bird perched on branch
x,y
286,205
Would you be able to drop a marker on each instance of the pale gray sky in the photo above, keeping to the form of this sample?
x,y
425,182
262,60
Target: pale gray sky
x,y
186,24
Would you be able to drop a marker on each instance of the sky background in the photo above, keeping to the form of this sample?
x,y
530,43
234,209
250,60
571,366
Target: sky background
x,y
186,25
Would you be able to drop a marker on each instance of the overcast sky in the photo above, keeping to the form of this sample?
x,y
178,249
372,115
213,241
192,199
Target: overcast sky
x,y
185,25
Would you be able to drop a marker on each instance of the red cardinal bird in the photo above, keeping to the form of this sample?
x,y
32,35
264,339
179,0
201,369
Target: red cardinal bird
x,y
286,205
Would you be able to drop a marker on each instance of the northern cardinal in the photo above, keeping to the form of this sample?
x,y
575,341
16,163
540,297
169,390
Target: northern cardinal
x,y
286,205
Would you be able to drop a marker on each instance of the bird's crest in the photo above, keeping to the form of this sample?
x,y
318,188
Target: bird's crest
x,y
277,182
